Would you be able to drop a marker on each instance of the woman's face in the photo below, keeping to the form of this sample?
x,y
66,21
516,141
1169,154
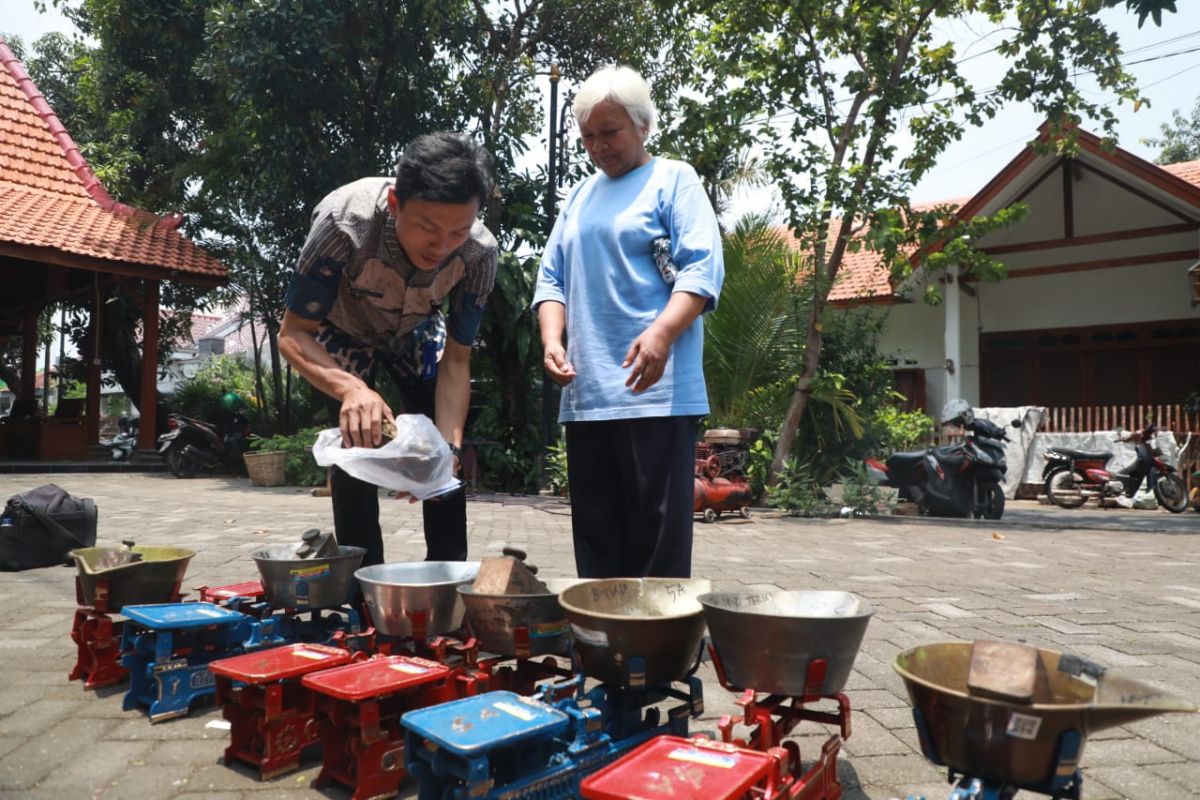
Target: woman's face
x,y
615,144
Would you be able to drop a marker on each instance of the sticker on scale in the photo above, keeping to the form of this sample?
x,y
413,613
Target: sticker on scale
x,y
313,654
212,612
589,636
408,669
308,573
522,714
542,630
703,758
1023,726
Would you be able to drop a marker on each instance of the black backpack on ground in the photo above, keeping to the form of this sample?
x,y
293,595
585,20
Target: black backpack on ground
x,y
39,527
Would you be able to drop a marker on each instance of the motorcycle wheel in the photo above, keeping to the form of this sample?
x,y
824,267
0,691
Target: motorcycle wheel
x,y
178,462
1171,494
993,500
1061,489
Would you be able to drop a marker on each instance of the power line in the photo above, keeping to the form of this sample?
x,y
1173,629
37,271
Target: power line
x,y
994,89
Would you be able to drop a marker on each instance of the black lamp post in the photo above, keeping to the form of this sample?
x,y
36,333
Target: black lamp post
x,y
551,203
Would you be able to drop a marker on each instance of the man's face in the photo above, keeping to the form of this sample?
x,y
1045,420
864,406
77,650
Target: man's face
x,y
430,231
611,138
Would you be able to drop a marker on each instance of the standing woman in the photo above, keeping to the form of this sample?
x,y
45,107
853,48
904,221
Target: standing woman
x,y
633,261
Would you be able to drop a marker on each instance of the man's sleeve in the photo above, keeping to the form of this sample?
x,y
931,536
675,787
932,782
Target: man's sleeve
x,y
469,298
696,242
314,286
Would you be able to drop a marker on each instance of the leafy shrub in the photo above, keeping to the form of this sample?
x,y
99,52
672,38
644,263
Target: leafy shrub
x,y
798,493
896,429
301,469
860,493
556,467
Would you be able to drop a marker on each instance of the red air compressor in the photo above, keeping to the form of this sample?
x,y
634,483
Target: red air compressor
x,y
721,483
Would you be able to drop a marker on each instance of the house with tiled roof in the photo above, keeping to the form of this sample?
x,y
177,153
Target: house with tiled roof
x,y
62,236
1099,307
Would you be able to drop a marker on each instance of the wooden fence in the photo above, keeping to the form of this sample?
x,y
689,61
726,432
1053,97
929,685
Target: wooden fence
x,y
1084,419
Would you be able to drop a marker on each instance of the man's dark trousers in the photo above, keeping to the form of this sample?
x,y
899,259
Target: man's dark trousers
x,y
356,503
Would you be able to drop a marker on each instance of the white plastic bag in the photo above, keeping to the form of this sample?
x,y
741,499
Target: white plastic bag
x,y
417,461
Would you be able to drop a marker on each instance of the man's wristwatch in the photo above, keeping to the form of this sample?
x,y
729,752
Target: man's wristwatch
x,y
456,450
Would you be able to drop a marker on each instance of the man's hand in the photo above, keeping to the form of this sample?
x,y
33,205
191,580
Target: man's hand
x,y
555,360
648,358
361,419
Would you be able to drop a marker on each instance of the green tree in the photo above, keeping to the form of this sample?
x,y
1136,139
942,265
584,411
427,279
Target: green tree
x,y
836,87
1180,138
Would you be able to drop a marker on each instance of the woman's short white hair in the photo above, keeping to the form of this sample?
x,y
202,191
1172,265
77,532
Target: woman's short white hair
x,y
624,86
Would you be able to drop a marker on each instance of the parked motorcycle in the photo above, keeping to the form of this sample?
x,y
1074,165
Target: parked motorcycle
x,y
955,480
122,445
1073,476
192,445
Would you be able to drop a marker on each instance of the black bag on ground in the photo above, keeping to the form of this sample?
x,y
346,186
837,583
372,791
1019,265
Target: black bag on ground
x,y
40,526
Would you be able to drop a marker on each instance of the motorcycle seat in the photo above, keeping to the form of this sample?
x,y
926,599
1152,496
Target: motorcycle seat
x,y
905,461
1082,455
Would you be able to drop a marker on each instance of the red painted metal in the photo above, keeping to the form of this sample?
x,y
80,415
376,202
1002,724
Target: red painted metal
x,y
358,716
98,638
689,769
271,713
223,594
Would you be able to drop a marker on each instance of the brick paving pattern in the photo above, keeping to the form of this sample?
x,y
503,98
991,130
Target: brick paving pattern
x,y
1127,599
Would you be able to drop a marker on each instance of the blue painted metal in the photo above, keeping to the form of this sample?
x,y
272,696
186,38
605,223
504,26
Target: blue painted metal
x,y
167,649
500,745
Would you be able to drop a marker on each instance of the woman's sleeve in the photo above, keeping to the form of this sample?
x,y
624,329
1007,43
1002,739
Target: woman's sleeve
x,y
550,285
695,241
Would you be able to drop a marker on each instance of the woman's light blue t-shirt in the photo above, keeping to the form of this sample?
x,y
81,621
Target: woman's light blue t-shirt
x,y
600,265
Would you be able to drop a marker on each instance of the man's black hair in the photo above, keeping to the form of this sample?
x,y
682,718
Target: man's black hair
x,y
444,167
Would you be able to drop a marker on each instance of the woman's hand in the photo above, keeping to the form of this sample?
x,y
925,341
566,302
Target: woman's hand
x,y
361,418
555,361
648,358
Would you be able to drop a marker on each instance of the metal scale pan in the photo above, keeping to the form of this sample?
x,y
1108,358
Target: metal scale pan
x,y
767,641
636,631
1016,735
396,593
495,618
290,581
135,574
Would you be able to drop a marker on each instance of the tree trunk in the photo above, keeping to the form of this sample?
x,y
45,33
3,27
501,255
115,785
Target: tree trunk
x,y
123,352
276,368
801,395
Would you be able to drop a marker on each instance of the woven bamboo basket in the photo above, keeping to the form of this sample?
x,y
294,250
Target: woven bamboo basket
x,y
266,469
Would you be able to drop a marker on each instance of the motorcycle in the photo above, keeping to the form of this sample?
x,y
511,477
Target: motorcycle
x,y
954,480
192,445
122,445
1071,477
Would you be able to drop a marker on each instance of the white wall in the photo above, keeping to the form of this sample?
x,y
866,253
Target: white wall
x,y
1097,297
914,331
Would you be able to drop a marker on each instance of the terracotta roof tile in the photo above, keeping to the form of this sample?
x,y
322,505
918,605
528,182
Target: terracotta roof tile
x,y
1187,170
50,198
77,225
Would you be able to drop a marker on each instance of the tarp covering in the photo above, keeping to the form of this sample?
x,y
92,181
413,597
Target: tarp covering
x,y
1017,449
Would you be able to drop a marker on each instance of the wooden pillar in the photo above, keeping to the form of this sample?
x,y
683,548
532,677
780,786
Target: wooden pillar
x,y
29,353
146,405
92,415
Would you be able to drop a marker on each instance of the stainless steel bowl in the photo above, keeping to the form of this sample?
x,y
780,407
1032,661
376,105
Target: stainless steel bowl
x,y
766,640
630,631
134,575
304,583
999,740
494,619
395,592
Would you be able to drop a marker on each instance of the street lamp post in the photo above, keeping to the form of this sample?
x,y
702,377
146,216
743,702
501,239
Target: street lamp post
x,y
548,436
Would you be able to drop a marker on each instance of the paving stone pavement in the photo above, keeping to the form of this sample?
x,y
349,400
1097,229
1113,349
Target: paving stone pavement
x,y
1127,599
